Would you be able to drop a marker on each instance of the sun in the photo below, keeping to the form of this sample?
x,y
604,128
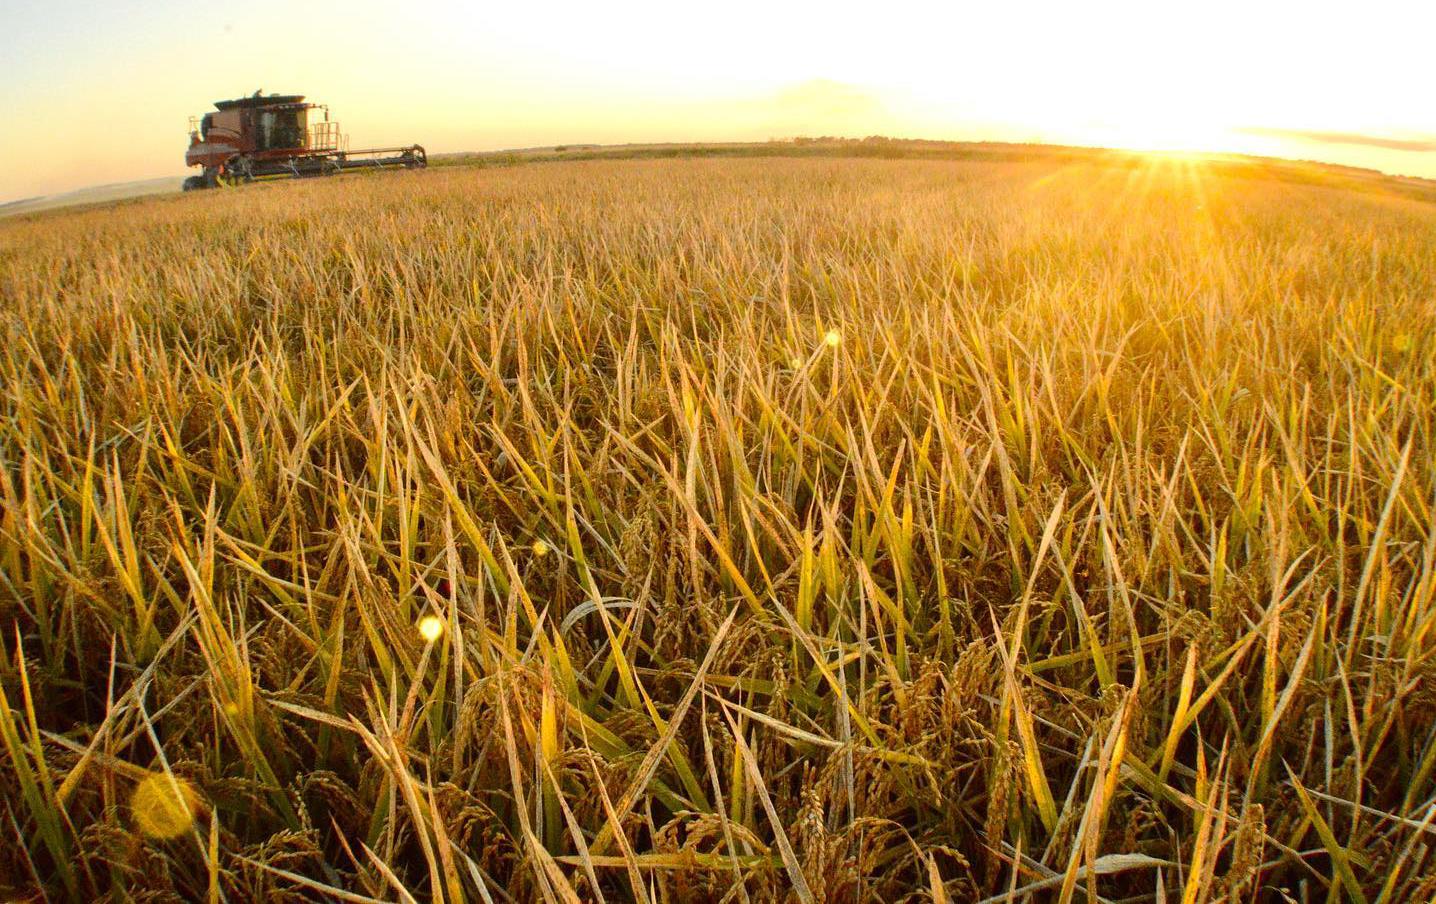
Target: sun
x,y
1148,116
1158,134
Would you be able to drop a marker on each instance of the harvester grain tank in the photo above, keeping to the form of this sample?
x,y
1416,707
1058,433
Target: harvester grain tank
x,y
266,136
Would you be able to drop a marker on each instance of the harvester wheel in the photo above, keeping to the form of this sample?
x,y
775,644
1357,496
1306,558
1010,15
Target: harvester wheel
x,y
195,183
238,171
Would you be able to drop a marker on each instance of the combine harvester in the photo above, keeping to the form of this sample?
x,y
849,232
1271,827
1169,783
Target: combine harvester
x,y
270,136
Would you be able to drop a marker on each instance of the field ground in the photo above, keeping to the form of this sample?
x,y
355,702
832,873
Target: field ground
x,y
778,529
1329,175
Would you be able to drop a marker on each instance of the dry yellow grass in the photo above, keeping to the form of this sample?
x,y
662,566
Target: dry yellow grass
x,y
777,530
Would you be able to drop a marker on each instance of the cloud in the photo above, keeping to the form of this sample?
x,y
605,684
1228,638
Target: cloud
x,y
812,107
1416,145
827,98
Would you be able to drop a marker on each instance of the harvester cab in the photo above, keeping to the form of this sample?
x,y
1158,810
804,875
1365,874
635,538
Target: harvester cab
x,y
276,136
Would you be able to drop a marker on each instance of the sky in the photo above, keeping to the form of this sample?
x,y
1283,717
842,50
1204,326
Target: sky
x,y
102,91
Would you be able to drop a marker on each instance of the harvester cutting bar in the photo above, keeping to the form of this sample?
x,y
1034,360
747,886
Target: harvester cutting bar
x,y
412,157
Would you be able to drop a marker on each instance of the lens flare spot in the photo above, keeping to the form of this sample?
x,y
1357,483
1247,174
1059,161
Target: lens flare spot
x,y
164,806
832,338
1401,342
540,548
431,627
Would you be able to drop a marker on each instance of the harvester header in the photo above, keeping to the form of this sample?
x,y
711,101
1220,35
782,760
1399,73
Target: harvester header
x,y
269,136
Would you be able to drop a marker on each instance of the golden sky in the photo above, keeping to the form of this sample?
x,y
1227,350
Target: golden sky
x,y
101,92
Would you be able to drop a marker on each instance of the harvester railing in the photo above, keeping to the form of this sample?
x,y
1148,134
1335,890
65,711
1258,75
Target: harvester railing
x,y
325,136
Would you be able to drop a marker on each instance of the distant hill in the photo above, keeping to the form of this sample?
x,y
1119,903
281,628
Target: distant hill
x,y
97,194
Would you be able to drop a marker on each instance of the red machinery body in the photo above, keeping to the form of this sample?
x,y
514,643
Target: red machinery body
x,y
274,136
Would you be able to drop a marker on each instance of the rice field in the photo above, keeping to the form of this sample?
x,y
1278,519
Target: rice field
x,y
744,530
